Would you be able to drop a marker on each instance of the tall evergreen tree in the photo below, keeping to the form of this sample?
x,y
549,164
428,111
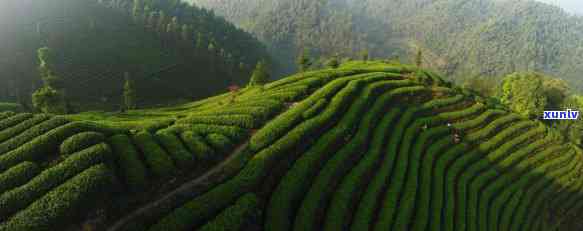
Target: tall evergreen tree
x,y
419,57
129,92
50,98
365,55
303,61
260,74
137,11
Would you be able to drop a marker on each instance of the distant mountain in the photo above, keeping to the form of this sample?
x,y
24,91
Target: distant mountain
x,y
461,38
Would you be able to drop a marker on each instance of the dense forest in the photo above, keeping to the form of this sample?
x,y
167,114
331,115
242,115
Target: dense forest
x,y
168,48
460,38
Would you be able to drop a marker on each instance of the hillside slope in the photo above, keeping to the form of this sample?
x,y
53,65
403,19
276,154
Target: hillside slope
x,y
95,42
461,38
363,147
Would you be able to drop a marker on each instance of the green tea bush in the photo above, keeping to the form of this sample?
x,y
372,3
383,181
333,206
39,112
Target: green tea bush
x,y
197,146
219,142
21,197
19,128
297,180
132,169
284,122
81,141
478,179
235,217
32,133
538,163
4,115
18,175
342,161
343,200
14,120
530,208
157,159
55,210
316,108
181,156
42,146
198,209
242,121
234,133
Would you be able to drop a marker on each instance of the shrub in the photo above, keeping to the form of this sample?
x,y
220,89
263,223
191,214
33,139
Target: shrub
x,y
55,210
219,142
181,156
41,146
197,210
345,196
14,120
81,141
339,163
23,126
32,133
22,196
18,175
242,121
316,108
157,159
197,146
235,133
539,163
128,159
235,217
284,122
478,167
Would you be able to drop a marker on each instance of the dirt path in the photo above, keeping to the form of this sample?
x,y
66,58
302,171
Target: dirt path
x,y
183,193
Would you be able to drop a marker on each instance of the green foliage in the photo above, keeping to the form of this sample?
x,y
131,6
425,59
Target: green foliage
x,y
80,142
304,60
181,156
129,93
524,93
50,98
21,197
260,75
18,175
31,133
10,107
157,159
219,142
235,217
56,209
14,120
42,146
197,146
21,127
133,171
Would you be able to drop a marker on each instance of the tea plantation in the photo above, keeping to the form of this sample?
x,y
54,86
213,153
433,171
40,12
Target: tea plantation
x,y
362,147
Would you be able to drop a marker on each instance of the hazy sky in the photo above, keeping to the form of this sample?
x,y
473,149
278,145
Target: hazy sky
x,y
569,5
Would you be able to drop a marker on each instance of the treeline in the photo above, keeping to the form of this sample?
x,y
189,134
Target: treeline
x,y
170,49
461,38
289,27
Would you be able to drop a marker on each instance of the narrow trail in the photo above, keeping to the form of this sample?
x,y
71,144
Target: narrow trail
x,y
185,192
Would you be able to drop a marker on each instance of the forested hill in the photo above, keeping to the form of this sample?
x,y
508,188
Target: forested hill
x,y
471,37
167,47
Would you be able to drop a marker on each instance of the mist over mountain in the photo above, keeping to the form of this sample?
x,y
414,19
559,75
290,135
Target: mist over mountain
x,y
459,38
574,6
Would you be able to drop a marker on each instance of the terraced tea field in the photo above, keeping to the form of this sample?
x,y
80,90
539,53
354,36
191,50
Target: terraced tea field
x,y
362,147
